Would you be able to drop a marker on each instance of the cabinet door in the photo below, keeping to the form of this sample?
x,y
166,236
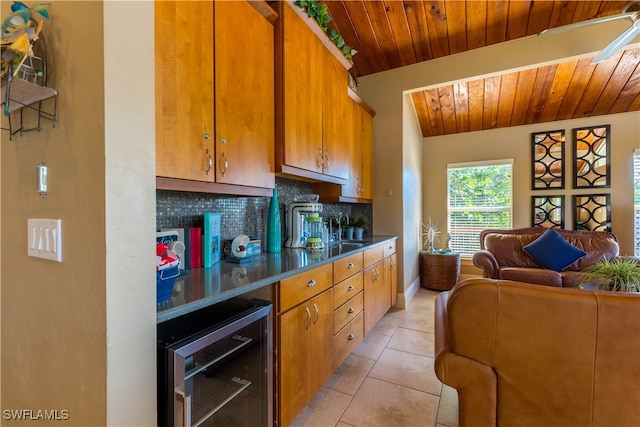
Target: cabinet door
x,y
352,126
372,281
321,352
334,118
392,277
365,142
184,89
244,95
302,98
360,141
294,370
306,353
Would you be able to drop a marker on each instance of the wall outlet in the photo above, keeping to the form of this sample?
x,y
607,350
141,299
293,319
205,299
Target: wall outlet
x,y
44,238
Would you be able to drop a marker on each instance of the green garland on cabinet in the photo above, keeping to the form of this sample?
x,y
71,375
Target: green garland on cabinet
x,y
320,13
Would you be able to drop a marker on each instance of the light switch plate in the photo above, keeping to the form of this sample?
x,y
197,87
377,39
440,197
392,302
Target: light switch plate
x,y
44,238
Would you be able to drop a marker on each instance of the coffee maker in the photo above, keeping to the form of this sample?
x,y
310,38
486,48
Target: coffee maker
x,y
296,213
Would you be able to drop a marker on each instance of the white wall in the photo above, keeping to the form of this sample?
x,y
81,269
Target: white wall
x,y
130,209
515,143
394,139
80,335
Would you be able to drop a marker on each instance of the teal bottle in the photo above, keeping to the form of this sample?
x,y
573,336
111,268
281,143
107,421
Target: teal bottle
x,y
274,239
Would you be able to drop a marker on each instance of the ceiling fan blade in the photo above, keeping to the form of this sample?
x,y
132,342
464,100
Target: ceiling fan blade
x,y
619,43
582,24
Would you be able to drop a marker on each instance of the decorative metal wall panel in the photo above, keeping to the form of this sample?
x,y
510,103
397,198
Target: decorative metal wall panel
x,y
592,157
547,211
547,154
592,212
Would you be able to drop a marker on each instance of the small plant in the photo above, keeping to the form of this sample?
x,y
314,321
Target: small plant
x,y
359,221
615,274
320,12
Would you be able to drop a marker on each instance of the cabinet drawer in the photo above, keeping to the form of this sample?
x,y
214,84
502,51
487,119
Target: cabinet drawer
x,y
346,290
347,312
301,287
373,255
389,248
347,339
347,267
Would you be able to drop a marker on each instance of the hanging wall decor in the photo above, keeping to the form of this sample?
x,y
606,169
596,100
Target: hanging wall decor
x,y
592,212
547,155
592,157
547,211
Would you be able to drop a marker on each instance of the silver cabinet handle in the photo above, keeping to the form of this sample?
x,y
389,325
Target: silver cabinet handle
x,y
186,407
311,283
350,266
320,161
308,320
223,140
325,161
206,136
208,162
351,337
351,310
317,314
350,288
223,164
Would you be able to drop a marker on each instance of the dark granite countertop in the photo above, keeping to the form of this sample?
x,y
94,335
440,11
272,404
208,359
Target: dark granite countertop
x,y
203,287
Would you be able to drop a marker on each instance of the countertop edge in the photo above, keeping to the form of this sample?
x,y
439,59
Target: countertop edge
x,y
175,312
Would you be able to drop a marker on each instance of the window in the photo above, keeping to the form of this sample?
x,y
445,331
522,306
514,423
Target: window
x,y
636,200
480,196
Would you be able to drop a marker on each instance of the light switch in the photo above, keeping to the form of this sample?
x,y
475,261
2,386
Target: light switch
x,y
44,238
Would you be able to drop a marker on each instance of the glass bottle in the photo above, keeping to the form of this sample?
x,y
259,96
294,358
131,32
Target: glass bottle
x,y
274,238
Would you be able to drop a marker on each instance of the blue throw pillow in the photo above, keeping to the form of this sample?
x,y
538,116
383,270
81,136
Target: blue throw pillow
x,y
552,251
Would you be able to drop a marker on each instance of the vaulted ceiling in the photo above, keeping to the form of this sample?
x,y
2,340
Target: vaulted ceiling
x,y
392,34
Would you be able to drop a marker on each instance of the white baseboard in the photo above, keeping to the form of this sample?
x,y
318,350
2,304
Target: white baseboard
x,y
404,298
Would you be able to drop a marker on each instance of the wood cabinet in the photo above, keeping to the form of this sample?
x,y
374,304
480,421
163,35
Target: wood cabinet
x,y
380,283
305,339
311,84
322,315
214,96
359,139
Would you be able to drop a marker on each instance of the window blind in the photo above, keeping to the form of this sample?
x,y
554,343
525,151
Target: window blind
x,y
480,197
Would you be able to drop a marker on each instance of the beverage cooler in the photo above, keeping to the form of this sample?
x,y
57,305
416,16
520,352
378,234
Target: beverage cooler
x,y
215,366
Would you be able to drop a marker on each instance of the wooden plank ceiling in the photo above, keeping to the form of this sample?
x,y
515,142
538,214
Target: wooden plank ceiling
x,y
392,34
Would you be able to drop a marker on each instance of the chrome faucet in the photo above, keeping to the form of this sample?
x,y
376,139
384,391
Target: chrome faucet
x,y
339,220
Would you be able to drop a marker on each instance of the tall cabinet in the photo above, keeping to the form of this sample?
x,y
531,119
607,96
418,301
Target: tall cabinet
x,y
311,85
214,96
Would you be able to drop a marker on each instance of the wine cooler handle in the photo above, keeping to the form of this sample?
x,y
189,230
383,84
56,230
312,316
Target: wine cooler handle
x,y
186,408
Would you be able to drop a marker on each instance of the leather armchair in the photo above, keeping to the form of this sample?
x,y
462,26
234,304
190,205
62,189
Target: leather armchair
x,y
527,355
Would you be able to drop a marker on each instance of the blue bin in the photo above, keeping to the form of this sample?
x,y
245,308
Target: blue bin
x,y
165,280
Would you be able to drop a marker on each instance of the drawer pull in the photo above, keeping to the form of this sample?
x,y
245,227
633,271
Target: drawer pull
x,y
350,266
308,318
351,337
350,288
390,247
311,283
351,310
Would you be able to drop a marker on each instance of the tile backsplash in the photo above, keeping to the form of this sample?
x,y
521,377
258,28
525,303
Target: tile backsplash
x,y
241,215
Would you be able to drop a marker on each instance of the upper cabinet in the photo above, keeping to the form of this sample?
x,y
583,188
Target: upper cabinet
x,y
215,96
311,99
357,124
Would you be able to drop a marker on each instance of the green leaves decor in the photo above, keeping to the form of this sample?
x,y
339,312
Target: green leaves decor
x,y
320,12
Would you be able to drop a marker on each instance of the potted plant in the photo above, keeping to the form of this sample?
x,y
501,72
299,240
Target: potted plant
x,y
620,274
359,221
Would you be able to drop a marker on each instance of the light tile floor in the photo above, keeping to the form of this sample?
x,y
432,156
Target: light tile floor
x,y
388,380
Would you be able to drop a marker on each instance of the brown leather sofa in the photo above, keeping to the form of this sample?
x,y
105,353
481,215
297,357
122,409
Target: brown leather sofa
x,y
502,255
527,355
